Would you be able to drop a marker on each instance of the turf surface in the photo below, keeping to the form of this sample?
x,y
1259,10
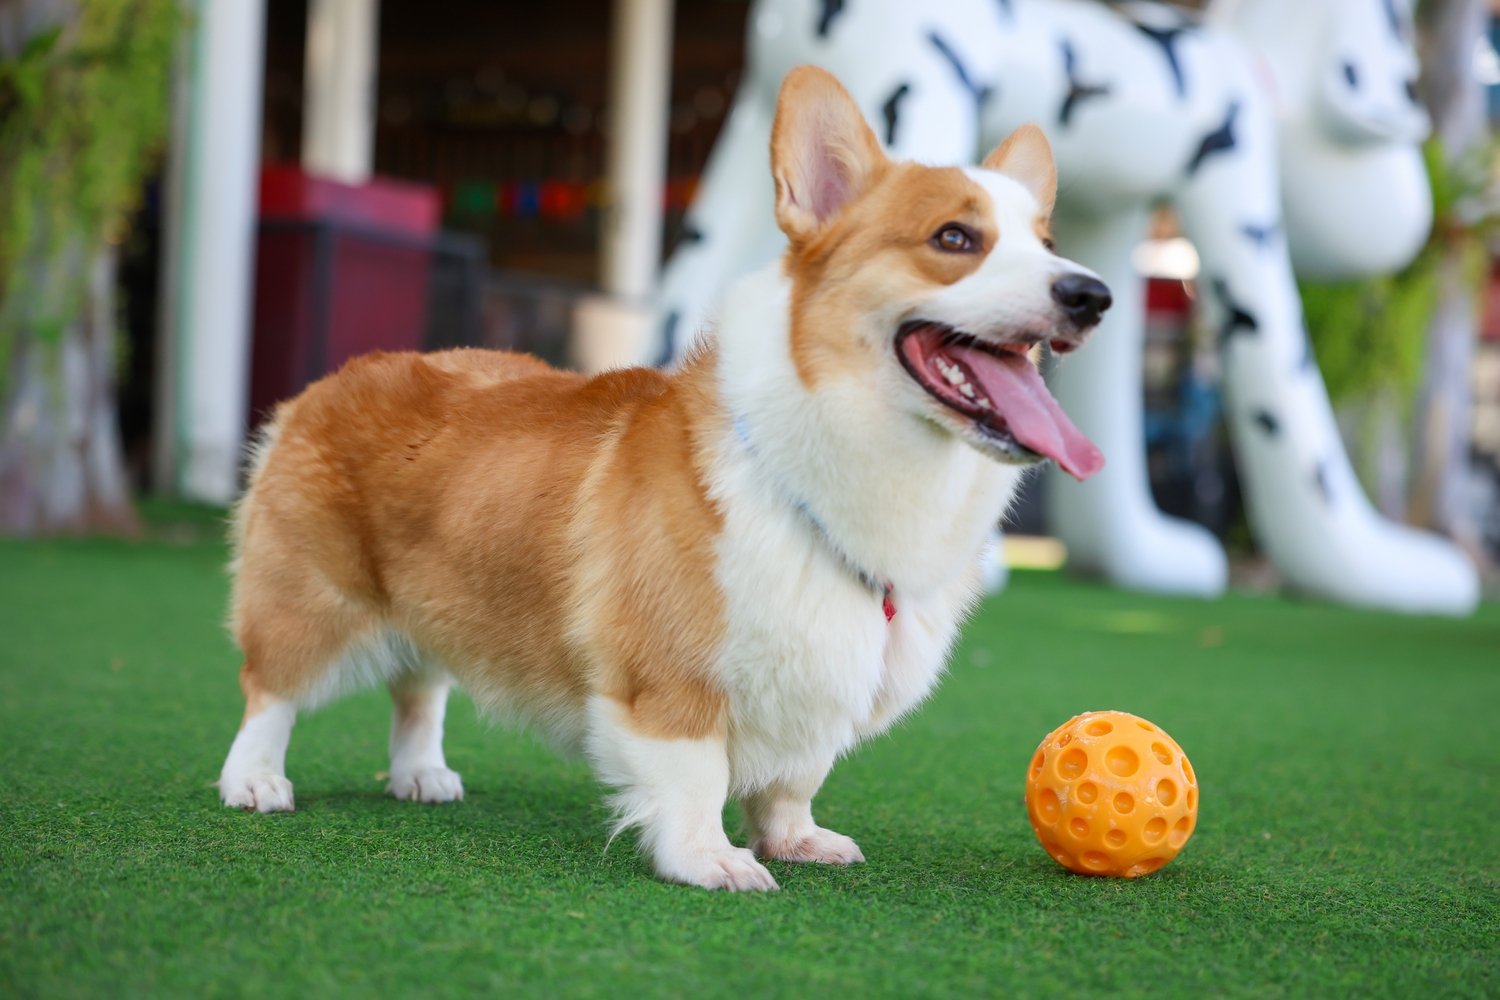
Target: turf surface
x,y
1348,841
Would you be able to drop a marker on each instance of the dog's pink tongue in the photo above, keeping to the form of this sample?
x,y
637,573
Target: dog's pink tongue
x,y
1016,389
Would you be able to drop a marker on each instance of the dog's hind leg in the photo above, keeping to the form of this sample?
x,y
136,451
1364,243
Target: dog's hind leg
x,y
300,650
419,772
254,774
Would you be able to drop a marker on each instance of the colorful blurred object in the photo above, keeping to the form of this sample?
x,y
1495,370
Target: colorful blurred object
x,y
341,270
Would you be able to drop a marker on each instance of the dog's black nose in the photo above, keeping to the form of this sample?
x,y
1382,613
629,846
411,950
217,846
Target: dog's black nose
x,y
1082,298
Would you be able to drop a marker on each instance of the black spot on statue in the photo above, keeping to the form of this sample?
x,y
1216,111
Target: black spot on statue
x,y
891,109
1006,9
977,90
1323,481
1220,140
1411,92
1262,236
668,339
1266,421
1393,19
1351,75
691,234
1236,318
831,10
1078,91
1167,39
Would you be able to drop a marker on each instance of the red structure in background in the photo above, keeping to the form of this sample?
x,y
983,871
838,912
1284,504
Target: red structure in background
x,y
340,270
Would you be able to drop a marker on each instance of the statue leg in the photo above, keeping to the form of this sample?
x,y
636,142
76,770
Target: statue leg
x,y
731,228
1111,524
1305,505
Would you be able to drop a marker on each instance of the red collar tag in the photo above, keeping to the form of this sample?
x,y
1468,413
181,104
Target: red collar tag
x,y
888,605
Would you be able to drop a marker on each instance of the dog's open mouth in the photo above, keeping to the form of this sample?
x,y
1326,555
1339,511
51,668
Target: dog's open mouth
x,y
1001,393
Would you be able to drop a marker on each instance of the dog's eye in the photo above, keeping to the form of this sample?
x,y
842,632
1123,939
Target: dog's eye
x,y
1050,244
953,239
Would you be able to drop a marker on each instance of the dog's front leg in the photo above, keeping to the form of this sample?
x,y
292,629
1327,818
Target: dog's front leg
x,y
779,818
674,791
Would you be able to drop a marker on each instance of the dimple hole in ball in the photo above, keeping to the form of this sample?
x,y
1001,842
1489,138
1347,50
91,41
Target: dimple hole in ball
x,y
1073,763
1181,830
1154,830
1047,806
1122,761
1087,792
1150,865
1095,859
1064,740
1124,802
1161,753
1187,769
1192,798
1079,827
1148,727
1166,791
1036,764
1099,728
1115,838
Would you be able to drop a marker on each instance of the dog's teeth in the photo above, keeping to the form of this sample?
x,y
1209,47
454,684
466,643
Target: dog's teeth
x,y
984,404
967,390
954,375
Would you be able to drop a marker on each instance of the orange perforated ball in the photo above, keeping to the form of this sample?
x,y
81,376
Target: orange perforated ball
x,y
1108,793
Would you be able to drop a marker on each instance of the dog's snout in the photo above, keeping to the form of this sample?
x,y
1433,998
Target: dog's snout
x,y
1083,298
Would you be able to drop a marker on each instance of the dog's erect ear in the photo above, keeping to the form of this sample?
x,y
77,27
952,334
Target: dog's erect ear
x,y
823,154
1026,157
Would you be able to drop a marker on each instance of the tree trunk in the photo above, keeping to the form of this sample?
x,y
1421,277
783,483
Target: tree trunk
x,y
62,466
1440,494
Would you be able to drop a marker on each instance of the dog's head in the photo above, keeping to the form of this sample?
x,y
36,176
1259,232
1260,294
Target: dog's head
x,y
935,282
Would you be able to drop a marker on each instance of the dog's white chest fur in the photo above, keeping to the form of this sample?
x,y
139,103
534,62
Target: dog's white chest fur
x,y
826,499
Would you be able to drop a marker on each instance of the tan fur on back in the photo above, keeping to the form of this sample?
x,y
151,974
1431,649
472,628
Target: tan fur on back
x,y
491,508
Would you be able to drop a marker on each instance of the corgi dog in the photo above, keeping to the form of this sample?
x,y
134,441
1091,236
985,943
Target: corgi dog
x,y
713,581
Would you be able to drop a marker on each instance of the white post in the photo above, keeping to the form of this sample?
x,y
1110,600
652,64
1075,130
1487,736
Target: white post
x,y
338,112
613,331
215,242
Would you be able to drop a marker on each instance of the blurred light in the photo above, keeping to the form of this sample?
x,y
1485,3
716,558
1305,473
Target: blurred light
x,y
1171,258
542,110
1034,552
709,102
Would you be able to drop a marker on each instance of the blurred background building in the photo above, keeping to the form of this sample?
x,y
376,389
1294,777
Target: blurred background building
x,y
353,174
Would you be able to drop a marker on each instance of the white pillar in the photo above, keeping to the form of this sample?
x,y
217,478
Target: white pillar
x,y
211,242
338,110
613,330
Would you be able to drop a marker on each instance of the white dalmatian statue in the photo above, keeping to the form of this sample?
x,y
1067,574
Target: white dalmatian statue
x,y
1283,132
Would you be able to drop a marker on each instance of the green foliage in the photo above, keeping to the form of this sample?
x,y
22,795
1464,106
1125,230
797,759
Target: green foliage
x,y
83,109
1369,334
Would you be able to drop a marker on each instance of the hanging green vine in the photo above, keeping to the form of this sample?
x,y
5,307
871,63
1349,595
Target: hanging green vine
x,y
83,109
1369,335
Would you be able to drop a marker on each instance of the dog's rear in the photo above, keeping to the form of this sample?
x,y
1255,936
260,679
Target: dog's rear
x,y
714,581
351,495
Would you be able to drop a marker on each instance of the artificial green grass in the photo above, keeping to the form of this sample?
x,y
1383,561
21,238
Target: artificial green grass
x,y
1347,845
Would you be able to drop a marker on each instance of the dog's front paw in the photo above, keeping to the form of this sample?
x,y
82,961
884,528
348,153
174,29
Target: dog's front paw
x,y
732,868
267,793
432,784
822,846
